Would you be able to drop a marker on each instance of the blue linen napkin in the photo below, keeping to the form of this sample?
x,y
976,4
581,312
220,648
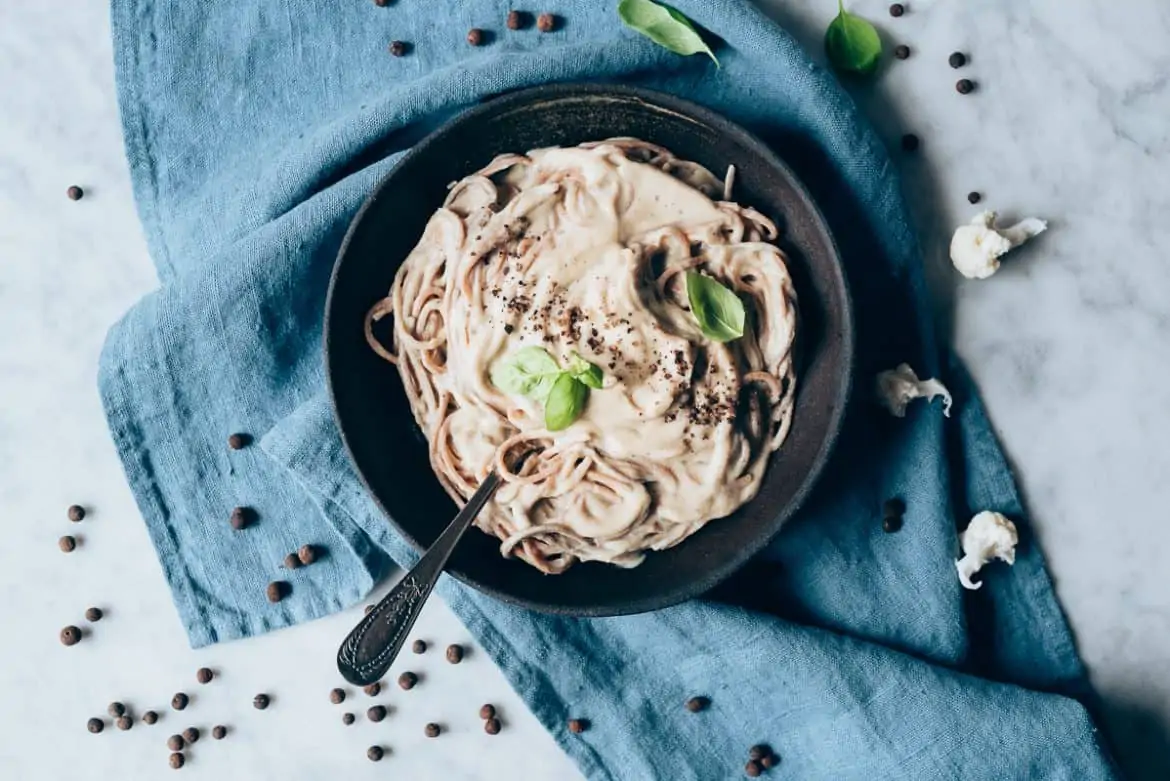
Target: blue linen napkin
x,y
255,129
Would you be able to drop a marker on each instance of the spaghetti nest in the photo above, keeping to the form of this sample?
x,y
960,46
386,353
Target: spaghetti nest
x,y
588,253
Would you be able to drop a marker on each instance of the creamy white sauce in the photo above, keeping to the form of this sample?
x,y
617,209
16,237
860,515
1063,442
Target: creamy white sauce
x,y
580,250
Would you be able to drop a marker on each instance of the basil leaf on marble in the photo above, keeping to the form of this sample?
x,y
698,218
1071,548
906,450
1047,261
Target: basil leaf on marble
x,y
565,402
852,44
665,26
718,310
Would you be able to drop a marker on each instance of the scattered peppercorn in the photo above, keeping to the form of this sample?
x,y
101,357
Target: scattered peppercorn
x,y
176,760
432,730
176,743
179,701
897,9
517,20
292,562
67,543
277,590
204,675
373,690
124,723
382,3
759,751
487,711
260,701
475,36
76,513
455,653
374,753
965,86
546,23
696,704
768,761
241,518
191,735
419,646
894,506
74,193
492,726
93,614
753,769
307,554
116,709
910,142
577,726
407,680
974,197
398,48
337,696
150,717
347,719
957,60
95,725
239,441
376,713
891,523
902,52
219,732
70,635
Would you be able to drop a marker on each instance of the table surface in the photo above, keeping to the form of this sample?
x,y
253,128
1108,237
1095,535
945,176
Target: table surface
x,y
1068,342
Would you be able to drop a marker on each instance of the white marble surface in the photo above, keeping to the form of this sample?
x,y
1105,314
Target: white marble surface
x,y
1069,344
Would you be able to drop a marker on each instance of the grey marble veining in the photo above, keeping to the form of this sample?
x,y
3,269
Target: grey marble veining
x,y
1070,343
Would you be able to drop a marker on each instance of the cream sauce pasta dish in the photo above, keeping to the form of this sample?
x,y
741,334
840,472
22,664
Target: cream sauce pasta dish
x,y
607,330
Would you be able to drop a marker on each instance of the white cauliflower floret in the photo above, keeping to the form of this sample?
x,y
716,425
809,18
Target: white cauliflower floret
x,y
977,246
896,388
989,536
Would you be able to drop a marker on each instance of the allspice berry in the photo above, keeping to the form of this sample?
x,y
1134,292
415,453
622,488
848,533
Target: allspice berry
x,y
517,20
376,713
67,543
124,723
95,725
150,717
204,675
373,690
337,696
347,719
307,554
76,513
455,653
239,441
419,646
176,760
546,23
176,743
191,735
241,518
432,730
219,732
492,726
487,711
577,726
407,680
74,193
752,769
93,614
696,704
398,48
278,590
475,36
179,701
116,709
260,701
292,562
70,635
374,753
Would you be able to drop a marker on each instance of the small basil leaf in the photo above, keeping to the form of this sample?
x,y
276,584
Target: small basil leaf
x,y
852,43
586,372
718,310
565,402
529,372
665,26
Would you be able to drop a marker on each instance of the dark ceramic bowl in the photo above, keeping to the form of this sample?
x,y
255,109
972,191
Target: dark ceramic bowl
x,y
389,451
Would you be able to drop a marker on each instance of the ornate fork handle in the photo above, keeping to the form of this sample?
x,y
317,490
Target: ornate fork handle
x,y
370,649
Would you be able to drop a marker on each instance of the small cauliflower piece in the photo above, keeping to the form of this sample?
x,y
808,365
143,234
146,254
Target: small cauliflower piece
x,y
977,246
989,536
896,388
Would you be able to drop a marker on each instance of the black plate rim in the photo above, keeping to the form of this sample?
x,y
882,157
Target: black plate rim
x,y
692,112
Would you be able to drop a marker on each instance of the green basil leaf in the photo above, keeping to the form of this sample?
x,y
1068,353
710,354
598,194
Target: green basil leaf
x,y
665,26
530,372
586,372
852,44
565,402
719,311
